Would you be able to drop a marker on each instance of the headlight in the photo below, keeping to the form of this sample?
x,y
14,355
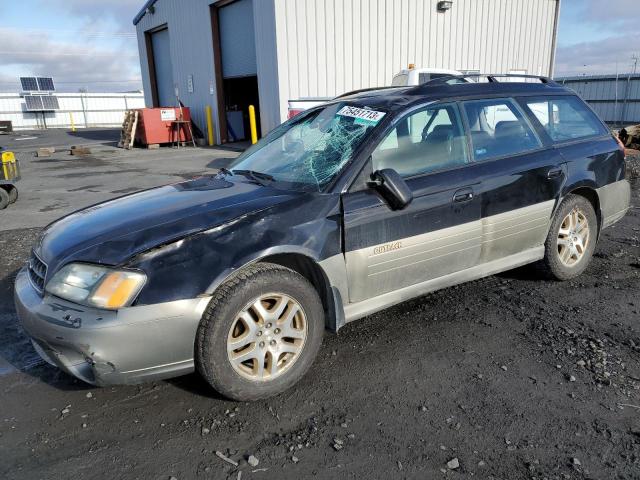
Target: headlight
x,y
96,286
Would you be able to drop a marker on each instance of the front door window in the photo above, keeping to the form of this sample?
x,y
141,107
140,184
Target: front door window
x,y
426,141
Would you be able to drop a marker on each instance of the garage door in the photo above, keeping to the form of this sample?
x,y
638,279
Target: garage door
x,y
237,40
164,70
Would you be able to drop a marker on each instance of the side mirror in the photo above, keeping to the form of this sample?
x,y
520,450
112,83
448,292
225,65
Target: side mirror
x,y
392,187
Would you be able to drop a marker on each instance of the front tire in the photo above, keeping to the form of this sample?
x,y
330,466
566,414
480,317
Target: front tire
x,y
13,194
260,333
4,199
572,239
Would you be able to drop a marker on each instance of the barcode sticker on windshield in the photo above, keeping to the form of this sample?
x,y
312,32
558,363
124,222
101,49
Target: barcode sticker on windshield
x,y
366,116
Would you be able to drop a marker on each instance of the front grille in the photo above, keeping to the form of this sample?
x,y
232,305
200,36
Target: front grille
x,y
37,272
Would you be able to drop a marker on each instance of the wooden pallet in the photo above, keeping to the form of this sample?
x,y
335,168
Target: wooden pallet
x,y
129,126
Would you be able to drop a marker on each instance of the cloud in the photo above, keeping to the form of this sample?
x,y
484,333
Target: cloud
x,y
615,38
598,58
119,11
72,64
613,12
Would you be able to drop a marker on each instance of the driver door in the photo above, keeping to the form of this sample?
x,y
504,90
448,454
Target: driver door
x,y
439,232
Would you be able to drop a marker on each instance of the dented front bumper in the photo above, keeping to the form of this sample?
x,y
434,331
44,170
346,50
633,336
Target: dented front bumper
x,y
104,347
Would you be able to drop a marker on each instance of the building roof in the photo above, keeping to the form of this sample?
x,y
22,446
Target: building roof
x,y
143,10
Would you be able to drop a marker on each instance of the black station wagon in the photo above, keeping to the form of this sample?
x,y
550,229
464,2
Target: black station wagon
x,y
374,198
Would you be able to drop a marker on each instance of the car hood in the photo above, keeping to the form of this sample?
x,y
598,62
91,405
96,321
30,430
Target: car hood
x,y
114,231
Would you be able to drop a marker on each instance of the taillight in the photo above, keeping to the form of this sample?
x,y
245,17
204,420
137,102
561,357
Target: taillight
x,y
294,111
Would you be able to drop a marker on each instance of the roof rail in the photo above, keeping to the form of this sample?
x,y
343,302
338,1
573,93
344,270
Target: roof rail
x,y
491,78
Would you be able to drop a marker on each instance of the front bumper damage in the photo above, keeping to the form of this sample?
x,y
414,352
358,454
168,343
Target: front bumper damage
x,y
104,347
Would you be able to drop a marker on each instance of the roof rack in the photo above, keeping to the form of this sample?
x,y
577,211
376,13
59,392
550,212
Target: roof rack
x,y
491,78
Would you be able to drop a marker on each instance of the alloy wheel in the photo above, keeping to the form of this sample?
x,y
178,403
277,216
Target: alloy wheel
x,y
573,238
267,337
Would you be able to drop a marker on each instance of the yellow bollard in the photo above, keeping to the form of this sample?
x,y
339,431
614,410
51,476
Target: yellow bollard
x,y
209,124
73,125
252,124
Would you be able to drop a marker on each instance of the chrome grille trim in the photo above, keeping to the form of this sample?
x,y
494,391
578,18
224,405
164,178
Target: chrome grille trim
x,y
37,272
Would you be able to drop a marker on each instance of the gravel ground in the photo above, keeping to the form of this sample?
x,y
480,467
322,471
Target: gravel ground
x,y
509,377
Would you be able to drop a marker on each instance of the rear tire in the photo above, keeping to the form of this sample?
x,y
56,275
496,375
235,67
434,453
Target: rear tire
x,y
260,333
571,240
4,198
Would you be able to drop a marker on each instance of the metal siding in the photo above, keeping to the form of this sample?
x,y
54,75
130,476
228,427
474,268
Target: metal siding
x,y
600,93
365,42
327,47
191,52
87,109
266,32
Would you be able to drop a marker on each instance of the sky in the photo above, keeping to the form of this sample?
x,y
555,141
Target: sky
x,y
598,37
92,43
80,43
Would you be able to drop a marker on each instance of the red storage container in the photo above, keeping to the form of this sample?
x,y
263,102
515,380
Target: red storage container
x,y
159,125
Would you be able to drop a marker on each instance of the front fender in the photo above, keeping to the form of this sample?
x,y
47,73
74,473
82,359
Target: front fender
x,y
254,257
196,265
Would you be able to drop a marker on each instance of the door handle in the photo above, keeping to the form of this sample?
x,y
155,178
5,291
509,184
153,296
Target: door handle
x,y
554,173
463,196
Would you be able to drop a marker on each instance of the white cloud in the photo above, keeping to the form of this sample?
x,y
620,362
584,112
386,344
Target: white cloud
x,y
598,58
615,23
119,11
612,12
72,64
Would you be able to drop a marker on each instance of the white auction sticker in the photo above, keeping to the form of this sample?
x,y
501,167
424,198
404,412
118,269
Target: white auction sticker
x,y
369,116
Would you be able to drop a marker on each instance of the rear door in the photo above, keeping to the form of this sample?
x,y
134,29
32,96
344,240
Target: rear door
x,y
439,232
592,155
522,177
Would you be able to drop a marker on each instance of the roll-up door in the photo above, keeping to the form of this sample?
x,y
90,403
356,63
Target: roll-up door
x,y
164,71
237,40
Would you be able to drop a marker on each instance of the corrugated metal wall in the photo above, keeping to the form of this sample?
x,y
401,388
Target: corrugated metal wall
x,y
189,24
615,101
328,47
191,49
310,48
88,110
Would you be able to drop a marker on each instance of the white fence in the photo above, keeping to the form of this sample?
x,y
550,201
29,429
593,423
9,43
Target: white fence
x,y
83,109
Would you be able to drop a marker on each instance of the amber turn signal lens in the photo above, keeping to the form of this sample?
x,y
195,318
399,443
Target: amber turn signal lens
x,y
117,289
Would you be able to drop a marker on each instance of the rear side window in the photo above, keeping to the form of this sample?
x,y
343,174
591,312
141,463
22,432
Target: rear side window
x,y
498,128
565,118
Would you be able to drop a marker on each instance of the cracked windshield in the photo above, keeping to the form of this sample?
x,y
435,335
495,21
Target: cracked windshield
x,y
308,152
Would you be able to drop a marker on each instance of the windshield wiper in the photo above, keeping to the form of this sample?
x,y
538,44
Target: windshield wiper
x,y
255,176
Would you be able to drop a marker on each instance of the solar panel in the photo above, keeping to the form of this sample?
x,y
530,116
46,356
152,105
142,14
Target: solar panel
x,y
50,103
45,84
29,84
34,102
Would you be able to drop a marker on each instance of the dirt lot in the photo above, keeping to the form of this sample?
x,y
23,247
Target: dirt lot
x,y
510,377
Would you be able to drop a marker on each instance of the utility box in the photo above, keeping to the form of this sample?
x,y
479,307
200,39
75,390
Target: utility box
x,y
163,125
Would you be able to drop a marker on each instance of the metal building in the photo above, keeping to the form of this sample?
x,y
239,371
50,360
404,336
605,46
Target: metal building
x,y
232,53
615,98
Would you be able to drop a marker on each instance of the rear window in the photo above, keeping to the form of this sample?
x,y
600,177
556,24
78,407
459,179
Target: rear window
x,y
565,118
